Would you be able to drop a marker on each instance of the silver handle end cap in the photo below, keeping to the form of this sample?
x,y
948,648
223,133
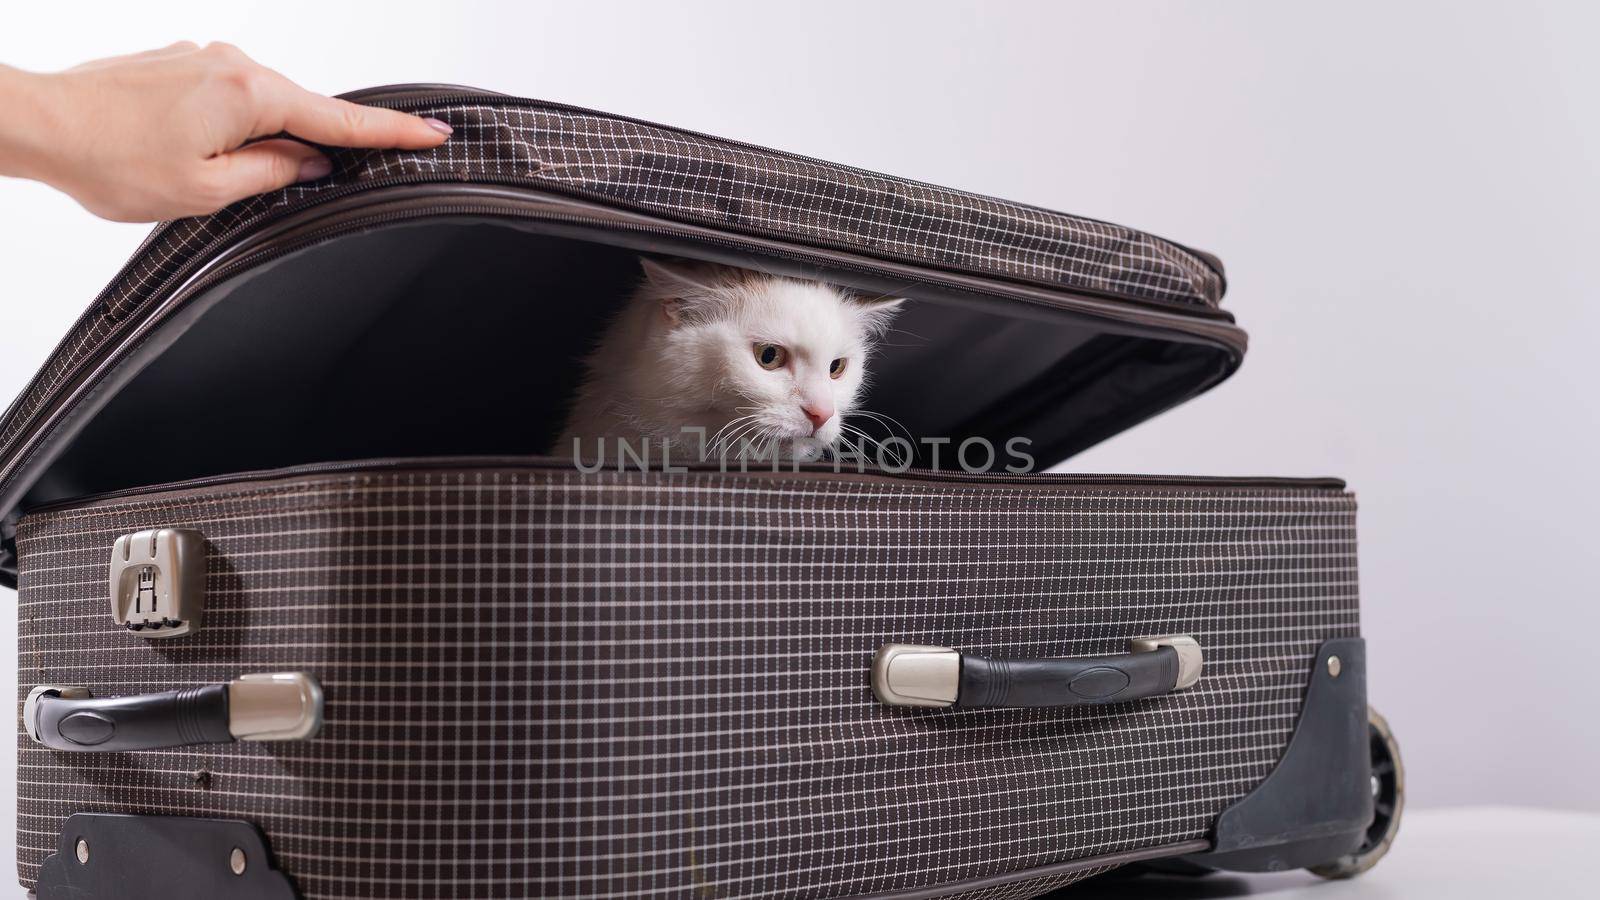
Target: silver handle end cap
x,y
1191,661
916,675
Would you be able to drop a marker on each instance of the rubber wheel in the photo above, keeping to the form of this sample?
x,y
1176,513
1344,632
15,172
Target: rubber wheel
x,y
1388,801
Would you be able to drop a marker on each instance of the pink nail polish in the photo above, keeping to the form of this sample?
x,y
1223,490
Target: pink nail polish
x,y
439,126
315,167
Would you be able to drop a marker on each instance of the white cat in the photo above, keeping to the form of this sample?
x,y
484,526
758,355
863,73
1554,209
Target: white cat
x,y
714,362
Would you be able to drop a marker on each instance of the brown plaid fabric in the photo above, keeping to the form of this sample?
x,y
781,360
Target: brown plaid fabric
x,y
546,684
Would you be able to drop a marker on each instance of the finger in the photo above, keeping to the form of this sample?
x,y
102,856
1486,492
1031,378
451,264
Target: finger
x,y
338,123
261,167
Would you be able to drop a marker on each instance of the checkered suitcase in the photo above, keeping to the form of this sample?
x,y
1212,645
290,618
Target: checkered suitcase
x,y
300,616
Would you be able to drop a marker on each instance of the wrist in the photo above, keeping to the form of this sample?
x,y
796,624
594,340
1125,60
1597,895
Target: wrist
x,y
26,124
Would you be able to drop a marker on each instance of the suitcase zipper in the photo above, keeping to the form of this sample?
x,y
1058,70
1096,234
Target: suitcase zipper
x,y
409,202
977,480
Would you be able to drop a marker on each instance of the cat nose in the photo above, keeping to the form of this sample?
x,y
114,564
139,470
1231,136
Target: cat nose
x,y
819,415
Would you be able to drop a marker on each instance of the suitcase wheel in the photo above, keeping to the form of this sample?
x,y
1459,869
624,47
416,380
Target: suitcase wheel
x,y
1388,800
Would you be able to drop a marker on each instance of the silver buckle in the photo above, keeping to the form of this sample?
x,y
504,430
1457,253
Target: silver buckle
x,y
158,582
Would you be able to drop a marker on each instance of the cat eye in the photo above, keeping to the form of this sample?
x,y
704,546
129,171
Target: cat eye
x,y
836,368
770,356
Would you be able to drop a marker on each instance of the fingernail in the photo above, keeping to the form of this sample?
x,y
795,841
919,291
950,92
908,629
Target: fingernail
x,y
315,167
439,126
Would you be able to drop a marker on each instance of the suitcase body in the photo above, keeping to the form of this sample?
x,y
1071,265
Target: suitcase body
x,y
523,680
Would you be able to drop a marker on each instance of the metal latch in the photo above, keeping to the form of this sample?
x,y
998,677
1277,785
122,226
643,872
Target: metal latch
x,y
158,582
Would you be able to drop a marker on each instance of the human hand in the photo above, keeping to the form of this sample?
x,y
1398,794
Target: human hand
x,y
162,134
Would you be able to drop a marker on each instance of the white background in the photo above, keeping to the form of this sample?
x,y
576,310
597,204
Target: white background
x,y
1405,195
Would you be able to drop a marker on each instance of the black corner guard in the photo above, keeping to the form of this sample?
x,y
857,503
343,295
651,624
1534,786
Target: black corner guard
x,y
1316,805
104,856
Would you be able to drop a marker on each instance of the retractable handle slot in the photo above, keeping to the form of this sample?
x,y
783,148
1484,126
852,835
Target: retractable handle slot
x,y
920,675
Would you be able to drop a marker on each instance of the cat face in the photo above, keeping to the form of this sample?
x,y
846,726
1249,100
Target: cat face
x,y
758,360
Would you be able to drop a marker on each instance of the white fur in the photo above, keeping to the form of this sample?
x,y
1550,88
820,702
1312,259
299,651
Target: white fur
x,y
681,355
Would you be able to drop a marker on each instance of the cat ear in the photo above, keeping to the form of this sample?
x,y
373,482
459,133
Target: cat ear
x,y
678,276
681,285
876,312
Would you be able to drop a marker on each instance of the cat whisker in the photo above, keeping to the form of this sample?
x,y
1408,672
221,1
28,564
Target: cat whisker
x,y
863,436
768,440
711,444
888,422
743,445
747,438
899,456
894,455
896,329
859,445
748,448
727,443
751,411
833,451
855,447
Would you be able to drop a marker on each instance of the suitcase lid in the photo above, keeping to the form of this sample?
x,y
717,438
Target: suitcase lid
x,y
1025,322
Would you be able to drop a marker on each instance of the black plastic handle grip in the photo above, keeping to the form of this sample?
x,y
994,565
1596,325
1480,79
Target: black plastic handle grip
x,y
196,715
1066,682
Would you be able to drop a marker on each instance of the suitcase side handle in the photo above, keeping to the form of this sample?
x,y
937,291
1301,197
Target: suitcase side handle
x,y
917,675
285,706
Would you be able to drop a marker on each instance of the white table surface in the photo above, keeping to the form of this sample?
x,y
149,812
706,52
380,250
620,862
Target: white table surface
x,y
1467,853
1462,853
